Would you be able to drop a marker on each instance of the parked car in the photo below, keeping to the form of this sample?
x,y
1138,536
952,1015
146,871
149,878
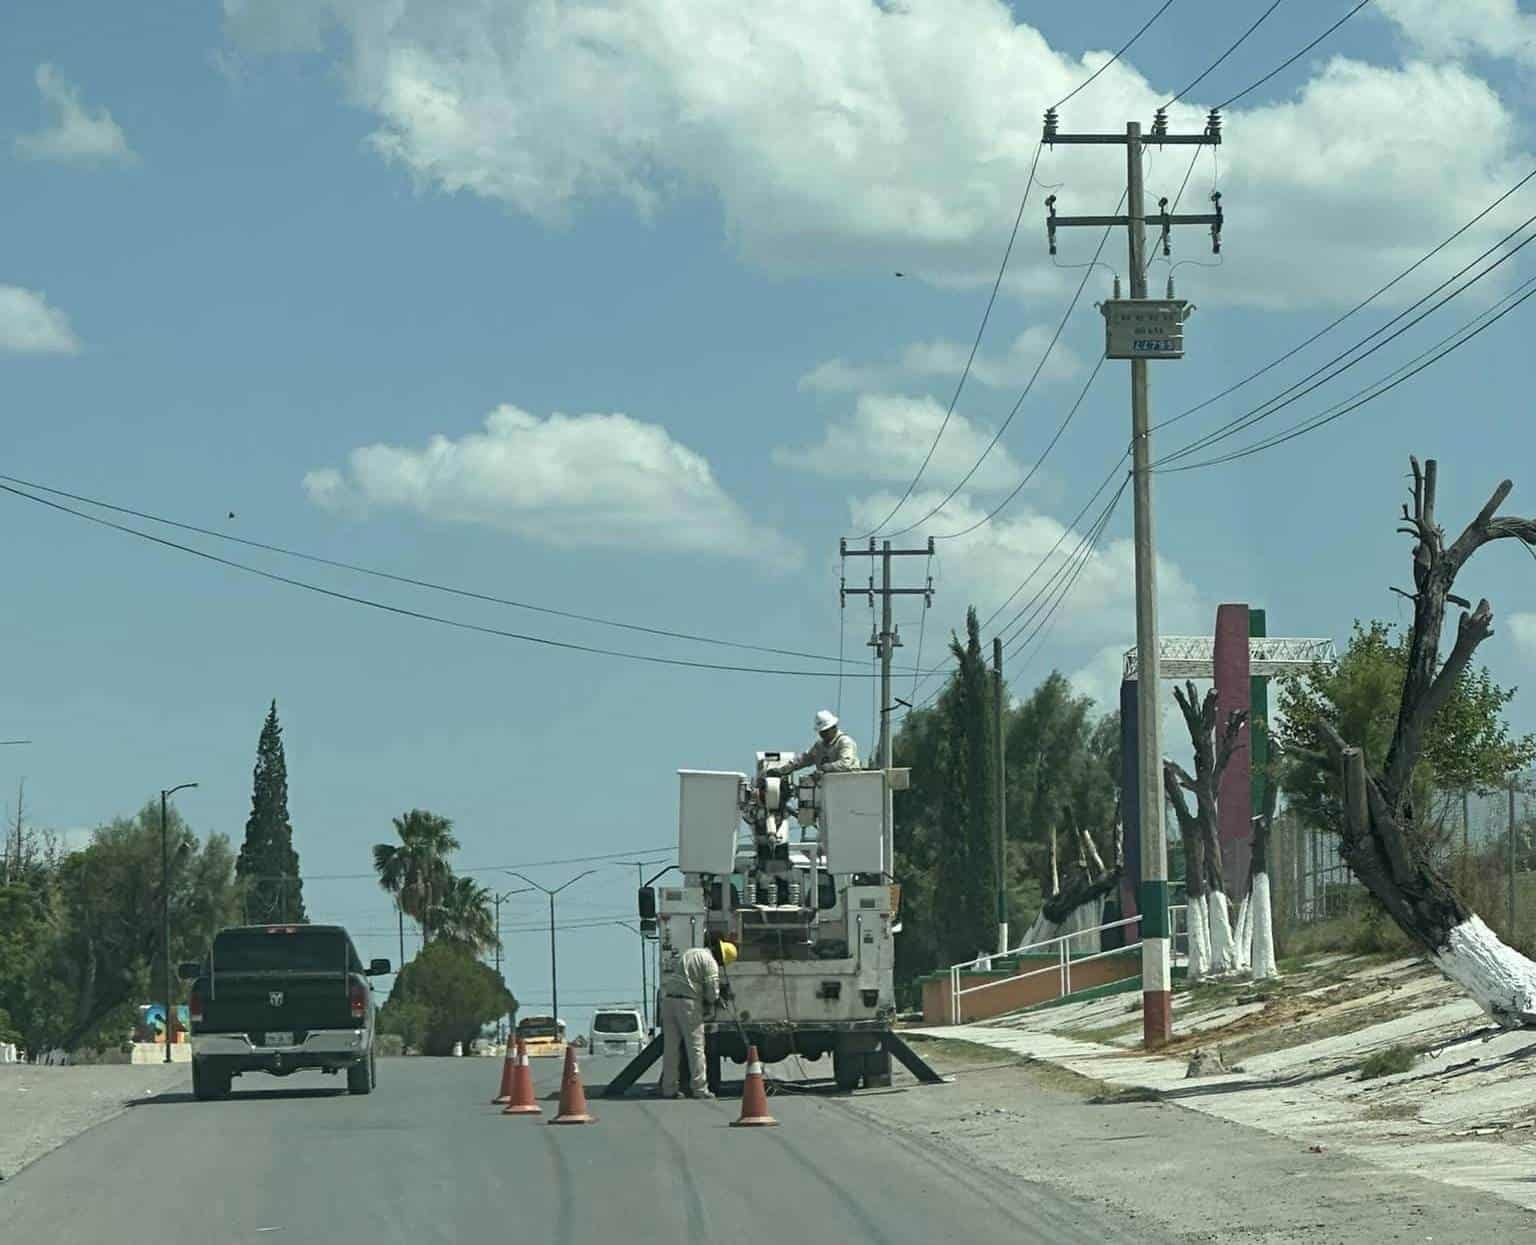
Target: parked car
x,y
617,1031
280,999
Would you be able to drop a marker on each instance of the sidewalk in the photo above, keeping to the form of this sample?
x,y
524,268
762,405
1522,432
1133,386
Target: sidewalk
x,y
1465,1114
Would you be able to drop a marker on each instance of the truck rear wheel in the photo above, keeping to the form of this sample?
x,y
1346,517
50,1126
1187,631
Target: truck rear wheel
x,y
209,1082
847,1069
360,1077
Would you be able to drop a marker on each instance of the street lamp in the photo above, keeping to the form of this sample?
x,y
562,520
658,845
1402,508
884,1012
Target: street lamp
x,y
496,900
554,978
165,914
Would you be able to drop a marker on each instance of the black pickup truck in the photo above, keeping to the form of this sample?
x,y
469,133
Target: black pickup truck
x,y
278,998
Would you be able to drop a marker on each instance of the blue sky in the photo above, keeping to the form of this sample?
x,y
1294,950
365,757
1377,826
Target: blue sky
x,y
246,242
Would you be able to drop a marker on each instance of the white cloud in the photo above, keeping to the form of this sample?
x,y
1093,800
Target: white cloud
x,y
886,437
857,135
29,325
570,480
945,360
1523,628
1466,27
75,133
985,567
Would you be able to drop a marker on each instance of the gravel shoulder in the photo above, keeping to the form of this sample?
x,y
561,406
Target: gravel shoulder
x,y
41,1108
1167,1169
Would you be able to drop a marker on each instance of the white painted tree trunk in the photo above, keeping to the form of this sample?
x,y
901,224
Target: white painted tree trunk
x,y
1220,916
1039,930
1263,923
1199,939
1242,936
1084,917
1499,978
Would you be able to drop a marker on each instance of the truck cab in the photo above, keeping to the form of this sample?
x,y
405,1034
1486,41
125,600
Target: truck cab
x,y
281,999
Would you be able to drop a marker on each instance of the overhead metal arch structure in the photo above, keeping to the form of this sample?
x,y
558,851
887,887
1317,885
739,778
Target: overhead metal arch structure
x,y
1194,656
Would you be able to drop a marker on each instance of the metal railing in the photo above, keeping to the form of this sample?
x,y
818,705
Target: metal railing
x,y
1064,960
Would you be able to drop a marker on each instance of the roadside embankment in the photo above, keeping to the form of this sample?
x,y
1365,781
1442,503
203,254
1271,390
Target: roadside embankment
x,y
43,1107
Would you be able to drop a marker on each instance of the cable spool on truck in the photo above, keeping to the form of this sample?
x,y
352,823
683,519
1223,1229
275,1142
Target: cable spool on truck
x,y
814,916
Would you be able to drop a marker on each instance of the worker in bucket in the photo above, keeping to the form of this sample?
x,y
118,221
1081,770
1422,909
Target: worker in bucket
x,y
690,992
834,751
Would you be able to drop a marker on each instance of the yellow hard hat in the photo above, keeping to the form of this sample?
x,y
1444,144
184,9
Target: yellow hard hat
x,y
727,953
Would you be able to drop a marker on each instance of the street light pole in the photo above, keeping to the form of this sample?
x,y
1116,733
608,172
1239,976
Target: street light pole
x,y
497,900
165,914
554,977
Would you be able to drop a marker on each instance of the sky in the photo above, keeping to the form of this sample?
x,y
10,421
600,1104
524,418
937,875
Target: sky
x,y
596,307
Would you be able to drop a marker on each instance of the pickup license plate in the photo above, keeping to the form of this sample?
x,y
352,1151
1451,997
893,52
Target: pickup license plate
x,y
273,1038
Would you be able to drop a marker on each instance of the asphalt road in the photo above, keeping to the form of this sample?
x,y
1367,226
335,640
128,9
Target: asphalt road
x,y
425,1158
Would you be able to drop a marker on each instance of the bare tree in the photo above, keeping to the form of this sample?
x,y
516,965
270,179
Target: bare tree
x,y
1213,752
1380,841
1086,882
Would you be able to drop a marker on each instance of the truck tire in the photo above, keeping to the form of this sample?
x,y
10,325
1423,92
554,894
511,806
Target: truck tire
x,y
360,1076
847,1069
877,1070
209,1083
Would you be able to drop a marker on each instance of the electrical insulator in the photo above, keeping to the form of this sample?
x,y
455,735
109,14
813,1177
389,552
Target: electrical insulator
x,y
1213,125
1117,285
1160,124
1216,228
1050,222
1050,126
1170,287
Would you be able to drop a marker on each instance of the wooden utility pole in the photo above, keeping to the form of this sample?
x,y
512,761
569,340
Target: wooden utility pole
x,y
1138,329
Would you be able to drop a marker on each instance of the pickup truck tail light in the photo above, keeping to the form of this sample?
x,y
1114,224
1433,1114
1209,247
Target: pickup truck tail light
x,y
358,996
195,1006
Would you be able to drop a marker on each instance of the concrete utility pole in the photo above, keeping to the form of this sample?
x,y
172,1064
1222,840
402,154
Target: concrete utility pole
x,y
885,641
1138,329
1000,716
1511,857
165,915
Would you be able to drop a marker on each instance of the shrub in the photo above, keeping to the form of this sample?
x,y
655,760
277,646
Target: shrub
x,y
1388,1062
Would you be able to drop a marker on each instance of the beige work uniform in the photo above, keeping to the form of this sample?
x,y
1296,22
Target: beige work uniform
x,y
838,757
690,988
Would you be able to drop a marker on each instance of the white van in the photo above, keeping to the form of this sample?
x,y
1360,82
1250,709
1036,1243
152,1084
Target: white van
x,y
617,1031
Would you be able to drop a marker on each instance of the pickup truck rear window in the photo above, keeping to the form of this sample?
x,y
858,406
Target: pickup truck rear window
x,y
302,951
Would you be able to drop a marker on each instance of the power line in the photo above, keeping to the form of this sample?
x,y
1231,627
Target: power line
x,y
1360,306
1002,269
975,346
419,615
1299,389
1525,290
528,864
355,568
1241,39
1035,467
1121,51
1034,376
1290,60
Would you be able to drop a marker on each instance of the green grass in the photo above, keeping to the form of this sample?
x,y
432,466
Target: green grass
x,y
1388,1062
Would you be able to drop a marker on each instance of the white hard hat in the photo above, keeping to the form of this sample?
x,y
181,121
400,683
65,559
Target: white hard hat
x,y
825,720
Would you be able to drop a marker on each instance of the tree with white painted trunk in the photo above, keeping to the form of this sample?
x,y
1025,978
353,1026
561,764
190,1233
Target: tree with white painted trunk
x,y
1380,839
1204,885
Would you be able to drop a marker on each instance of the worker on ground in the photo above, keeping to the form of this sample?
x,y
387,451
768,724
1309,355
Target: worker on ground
x,y
834,752
690,992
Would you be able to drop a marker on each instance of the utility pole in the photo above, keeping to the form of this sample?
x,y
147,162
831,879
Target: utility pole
x,y
496,902
1511,857
885,642
1000,717
1139,329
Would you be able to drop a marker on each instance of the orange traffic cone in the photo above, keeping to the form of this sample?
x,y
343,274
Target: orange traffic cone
x,y
505,1092
573,1099
754,1096
520,1099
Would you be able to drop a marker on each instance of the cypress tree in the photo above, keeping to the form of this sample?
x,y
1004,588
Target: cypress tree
x,y
268,867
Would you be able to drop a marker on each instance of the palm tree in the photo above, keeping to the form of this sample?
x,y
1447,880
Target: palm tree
x,y
463,915
415,871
